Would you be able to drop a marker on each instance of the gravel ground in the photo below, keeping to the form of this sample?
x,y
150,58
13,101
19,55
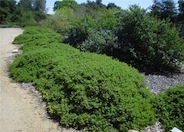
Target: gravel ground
x,y
159,83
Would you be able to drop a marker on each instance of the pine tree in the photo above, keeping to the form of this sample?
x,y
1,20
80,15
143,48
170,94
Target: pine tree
x,y
164,9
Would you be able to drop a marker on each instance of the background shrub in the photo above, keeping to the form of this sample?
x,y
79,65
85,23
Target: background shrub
x,y
61,20
86,90
170,106
132,36
102,41
147,43
86,30
79,30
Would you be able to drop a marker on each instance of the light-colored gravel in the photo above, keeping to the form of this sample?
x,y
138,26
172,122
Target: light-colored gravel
x,y
159,83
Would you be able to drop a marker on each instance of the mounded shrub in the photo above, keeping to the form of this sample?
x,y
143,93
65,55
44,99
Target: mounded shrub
x,y
132,36
148,43
169,106
38,35
87,28
85,90
102,41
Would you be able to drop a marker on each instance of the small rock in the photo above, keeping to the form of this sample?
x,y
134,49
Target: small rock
x,y
133,131
15,51
175,130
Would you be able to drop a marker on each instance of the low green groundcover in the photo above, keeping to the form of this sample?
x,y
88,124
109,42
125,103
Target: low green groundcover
x,y
85,90
170,108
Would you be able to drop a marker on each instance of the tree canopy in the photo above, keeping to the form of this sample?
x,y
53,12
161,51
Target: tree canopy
x,y
6,10
164,9
65,3
25,12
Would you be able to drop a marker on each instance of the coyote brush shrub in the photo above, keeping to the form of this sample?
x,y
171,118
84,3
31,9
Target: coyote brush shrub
x,y
38,35
85,90
170,108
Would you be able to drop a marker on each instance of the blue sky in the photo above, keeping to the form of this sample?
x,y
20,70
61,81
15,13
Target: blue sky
x,y
122,3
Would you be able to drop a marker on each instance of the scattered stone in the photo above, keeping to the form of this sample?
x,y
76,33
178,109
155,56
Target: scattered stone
x,y
175,130
157,127
133,131
15,51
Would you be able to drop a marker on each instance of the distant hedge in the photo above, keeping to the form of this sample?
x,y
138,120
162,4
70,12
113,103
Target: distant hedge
x,y
84,90
170,108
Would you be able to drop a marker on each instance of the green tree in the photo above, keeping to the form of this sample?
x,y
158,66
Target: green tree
x,y
27,4
164,9
65,3
36,5
112,5
40,5
27,19
181,16
156,8
94,5
7,8
98,2
181,11
149,43
181,7
36,9
61,20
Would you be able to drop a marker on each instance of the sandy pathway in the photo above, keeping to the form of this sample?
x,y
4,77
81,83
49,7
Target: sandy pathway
x,y
20,111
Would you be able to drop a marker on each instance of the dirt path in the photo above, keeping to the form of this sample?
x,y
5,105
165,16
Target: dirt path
x,y
20,111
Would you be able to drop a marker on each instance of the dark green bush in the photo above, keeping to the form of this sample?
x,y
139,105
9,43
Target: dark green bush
x,y
79,30
132,36
84,27
147,43
169,106
102,41
86,90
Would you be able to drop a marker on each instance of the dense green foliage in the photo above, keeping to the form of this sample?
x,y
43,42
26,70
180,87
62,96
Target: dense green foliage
x,y
170,108
148,43
38,37
132,36
7,8
65,3
84,90
167,10
37,5
61,20
164,9
94,92
22,13
93,33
